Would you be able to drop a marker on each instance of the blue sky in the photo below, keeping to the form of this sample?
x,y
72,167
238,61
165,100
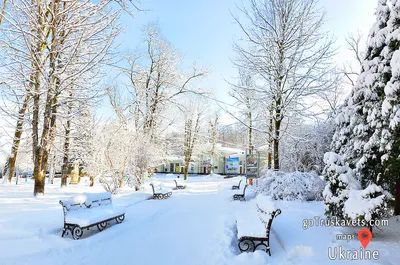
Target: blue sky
x,y
200,30
203,31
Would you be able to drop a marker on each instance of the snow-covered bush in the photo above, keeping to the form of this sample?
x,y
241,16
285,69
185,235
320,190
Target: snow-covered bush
x,y
340,178
368,204
291,186
111,181
135,179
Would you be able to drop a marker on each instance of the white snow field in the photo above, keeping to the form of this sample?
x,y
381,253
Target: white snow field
x,y
195,226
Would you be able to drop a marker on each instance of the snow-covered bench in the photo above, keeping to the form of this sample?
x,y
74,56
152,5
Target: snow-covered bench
x,y
88,210
160,194
178,186
234,187
254,225
242,196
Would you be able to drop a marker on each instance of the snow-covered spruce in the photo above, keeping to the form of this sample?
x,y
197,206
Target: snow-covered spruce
x,y
359,122
368,204
390,138
302,186
364,134
340,178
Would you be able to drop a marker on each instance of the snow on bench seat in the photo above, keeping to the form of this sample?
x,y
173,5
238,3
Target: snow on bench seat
x,y
254,224
250,225
265,203
87,217
161,192
87,210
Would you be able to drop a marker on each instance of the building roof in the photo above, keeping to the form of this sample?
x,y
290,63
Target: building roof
x,y
228,150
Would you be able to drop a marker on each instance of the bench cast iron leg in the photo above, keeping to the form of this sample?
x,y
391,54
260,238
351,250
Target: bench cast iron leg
x,y
66,230
77,232
246,245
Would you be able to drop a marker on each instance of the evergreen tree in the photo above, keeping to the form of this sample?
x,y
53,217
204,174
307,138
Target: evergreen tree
x,y
368,204
358,118
340,178
360,124
376,74
390,140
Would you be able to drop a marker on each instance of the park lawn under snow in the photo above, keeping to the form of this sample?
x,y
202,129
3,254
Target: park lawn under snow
x,y
196,226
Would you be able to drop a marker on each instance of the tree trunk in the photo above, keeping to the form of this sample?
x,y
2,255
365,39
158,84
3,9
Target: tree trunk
x,y
17,137
50,181
249,114
37,150
52,132
189,141
270,138
39,185
42,150
64,180
121,180
269,164
213,126
277,128
35,117
278,105
276,145
53,172
51,140
38,173
65,166
186,170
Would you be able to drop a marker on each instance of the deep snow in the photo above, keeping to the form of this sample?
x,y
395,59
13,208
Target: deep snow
x,y
195,226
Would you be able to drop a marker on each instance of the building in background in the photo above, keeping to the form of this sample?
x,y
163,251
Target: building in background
x,y
234,158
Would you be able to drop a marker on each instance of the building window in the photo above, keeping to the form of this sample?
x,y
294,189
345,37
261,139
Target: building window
x,y
215,167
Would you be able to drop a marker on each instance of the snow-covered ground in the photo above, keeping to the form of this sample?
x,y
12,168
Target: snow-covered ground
x,y
195,226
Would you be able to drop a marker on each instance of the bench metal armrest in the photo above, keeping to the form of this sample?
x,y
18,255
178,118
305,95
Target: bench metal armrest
x,y
65,209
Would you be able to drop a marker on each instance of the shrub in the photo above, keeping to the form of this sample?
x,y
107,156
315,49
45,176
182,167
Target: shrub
x,y
304,186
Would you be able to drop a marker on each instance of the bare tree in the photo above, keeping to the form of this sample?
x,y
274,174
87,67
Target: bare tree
x,y
60,51
333,97
156,81
214,137
284,45
192,116
245,95
352,69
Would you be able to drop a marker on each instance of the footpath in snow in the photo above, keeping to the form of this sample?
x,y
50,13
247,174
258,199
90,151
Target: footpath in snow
x,y
195,226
